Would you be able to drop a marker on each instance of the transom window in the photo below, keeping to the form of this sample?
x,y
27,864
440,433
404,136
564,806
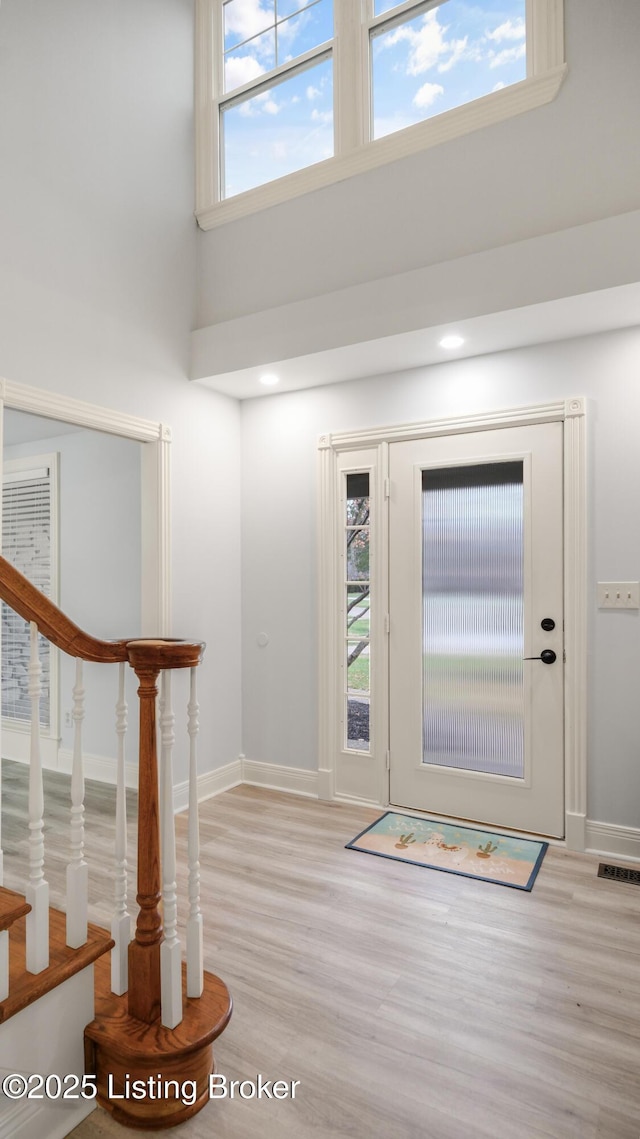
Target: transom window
x,y
294,94
277,62
427,59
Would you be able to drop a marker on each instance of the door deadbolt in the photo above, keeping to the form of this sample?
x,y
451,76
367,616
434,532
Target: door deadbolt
x,y
548,624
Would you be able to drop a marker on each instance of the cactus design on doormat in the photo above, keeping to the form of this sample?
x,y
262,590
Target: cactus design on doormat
x,y
453,848
405,839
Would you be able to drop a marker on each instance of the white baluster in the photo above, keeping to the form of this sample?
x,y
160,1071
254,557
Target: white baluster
x,y
170,951
77,870
37,891
121,922
195,951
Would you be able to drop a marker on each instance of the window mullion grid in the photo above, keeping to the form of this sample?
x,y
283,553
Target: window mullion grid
x,y
350,65
400,15
355,149
376,25
277,75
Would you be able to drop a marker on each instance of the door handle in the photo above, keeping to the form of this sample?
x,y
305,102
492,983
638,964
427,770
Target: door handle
x,y
547,656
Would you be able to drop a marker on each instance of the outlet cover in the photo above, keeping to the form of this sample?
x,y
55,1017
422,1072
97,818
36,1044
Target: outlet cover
x,y
619,595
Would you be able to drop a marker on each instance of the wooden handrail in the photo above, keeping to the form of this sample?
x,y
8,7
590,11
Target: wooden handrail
x,y
60,630
148,657
32,605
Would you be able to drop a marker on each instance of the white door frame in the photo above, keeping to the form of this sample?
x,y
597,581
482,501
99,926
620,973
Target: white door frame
x,y
356,777
155,504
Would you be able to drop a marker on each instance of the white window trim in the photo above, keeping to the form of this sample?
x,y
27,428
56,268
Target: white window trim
x,y
545,63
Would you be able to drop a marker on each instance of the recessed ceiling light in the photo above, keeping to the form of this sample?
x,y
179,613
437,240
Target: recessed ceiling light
x,y
269,380
451,341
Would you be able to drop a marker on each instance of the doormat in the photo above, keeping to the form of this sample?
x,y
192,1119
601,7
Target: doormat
x,y
468,851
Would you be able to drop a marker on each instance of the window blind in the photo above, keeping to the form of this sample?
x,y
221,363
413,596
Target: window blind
x,y
27,544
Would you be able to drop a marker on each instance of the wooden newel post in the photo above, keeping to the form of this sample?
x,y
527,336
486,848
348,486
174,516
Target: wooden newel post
x,y
144,950
148,658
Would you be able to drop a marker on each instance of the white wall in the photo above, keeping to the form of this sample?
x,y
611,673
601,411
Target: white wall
x,y
279,540
99,511
571,162
97,277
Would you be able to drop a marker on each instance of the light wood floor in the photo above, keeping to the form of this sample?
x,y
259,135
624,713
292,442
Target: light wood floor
x,y
410,1004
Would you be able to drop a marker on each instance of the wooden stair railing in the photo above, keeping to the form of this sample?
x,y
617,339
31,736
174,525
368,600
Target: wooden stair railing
x,y
152,1031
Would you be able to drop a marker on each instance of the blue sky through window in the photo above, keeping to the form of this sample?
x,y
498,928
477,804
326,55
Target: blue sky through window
x,y
282,129
442,58
262,34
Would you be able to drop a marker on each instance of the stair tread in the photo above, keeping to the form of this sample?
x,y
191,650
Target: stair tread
x,y
12,907
25,988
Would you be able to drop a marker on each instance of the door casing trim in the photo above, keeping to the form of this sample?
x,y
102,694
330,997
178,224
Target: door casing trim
x,y
356,777
155,484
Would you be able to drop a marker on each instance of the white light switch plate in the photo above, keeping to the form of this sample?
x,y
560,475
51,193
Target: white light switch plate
x,y
619,595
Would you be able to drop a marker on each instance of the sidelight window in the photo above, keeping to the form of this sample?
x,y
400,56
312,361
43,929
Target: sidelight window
x,y
357,612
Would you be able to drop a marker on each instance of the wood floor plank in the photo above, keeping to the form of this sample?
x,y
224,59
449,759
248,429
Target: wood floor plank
x,y
410,1004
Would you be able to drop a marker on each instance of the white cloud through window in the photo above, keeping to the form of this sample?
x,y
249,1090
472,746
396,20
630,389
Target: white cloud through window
x,y
509,30
508,55
427,94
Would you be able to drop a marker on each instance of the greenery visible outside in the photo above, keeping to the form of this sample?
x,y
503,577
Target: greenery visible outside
x,y
359,675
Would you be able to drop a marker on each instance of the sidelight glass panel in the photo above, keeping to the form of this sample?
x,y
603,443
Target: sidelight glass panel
x,y
357,500
358,731
472,579
358,666
358,555
357,624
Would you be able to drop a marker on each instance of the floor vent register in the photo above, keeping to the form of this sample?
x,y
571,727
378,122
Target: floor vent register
x,y
619,873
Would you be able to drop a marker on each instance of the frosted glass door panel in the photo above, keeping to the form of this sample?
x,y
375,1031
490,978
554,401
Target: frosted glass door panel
x,y
475,576
472,614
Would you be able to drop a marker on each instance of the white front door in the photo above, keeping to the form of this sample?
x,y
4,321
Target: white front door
x,y
475,590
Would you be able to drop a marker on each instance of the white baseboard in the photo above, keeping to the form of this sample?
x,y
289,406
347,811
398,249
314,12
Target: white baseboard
x,y
16,745
605,839
101,768
575,831
360,801
326,783
279,777
210,783
24,1121
611,840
